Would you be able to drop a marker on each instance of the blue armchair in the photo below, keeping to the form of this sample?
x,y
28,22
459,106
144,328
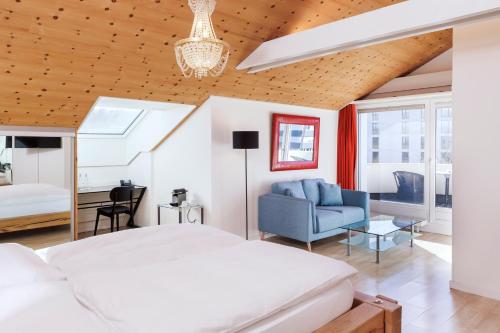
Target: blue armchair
x,y
293,210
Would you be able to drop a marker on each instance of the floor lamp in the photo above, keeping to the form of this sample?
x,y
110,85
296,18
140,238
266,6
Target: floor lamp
x,y
246,140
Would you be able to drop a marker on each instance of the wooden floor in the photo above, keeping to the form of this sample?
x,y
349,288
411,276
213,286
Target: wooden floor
x,y
41,238
418,277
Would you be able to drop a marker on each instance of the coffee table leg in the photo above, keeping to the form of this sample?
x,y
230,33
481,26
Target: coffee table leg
x,y
378,249
348,242
412,234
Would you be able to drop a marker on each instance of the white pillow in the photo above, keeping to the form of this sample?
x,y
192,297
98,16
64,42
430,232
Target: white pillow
x,y
19,264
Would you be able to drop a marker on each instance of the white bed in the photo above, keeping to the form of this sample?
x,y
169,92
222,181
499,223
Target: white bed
x,y
188,278
32,199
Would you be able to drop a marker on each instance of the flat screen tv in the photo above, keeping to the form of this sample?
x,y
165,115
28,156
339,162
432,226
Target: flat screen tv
x,y
37,142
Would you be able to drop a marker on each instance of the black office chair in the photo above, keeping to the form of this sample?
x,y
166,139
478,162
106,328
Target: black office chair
x,y
120,196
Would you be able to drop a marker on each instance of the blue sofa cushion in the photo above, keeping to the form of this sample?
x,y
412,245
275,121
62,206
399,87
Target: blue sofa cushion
x,y
293,189
328,220
351,214
330,194
311,189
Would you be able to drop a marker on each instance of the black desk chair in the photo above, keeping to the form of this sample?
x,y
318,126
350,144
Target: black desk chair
x,y
120,196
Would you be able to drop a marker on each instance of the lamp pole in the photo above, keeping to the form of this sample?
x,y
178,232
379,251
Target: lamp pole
x,y
246,194
246,140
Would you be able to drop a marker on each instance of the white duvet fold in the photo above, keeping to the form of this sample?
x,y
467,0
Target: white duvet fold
x,y
32,199
31,193
136,247
222,290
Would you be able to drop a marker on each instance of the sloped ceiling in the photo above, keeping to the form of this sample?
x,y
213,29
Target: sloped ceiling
x,y
58,56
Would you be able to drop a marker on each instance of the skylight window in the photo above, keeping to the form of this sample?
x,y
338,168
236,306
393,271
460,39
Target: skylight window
x,y
109,121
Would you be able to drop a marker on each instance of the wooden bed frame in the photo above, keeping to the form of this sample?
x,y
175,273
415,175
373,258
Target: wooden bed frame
x,y
34,221
368,315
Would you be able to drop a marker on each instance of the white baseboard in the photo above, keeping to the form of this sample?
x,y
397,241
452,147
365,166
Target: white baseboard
x,y
493,294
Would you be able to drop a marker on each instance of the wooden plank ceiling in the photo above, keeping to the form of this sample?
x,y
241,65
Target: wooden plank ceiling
x,y
58,56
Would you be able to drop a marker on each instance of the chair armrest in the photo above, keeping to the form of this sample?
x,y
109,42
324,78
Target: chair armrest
x,y
358,199
286,216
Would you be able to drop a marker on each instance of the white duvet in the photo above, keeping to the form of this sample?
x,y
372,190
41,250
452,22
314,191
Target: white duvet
x,y
32,199
46,307
177,278
221,291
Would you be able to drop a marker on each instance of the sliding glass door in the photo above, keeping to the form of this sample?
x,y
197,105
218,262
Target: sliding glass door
x,y
442,167
405,160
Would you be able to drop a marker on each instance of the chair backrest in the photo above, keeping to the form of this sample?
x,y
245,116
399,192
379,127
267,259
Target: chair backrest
x,y
409,183
121,194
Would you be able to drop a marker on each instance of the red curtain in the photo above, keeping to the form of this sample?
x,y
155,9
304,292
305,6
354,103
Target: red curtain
x,y
347,145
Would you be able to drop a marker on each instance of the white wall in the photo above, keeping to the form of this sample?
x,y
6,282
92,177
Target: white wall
x,y
184,161
228,182
43,165
152,128
476,211
141,172
101,151
434,76
101,161
106,160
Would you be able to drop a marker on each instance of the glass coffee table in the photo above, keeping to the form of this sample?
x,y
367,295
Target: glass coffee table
x,y
380,233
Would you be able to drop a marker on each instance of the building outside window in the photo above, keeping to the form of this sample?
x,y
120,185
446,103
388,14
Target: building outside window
x,y
405,157
405,142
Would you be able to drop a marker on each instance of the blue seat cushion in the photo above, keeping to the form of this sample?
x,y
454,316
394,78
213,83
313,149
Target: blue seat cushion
x,y
311,189
293,189
328,220
351,214
330,194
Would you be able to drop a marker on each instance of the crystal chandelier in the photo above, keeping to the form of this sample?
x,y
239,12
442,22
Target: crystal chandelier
x,y
202,53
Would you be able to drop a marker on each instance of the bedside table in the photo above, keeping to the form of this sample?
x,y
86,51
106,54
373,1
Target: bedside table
x,y
180,210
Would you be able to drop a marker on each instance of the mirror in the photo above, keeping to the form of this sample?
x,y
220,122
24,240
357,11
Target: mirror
x,y
295,142
36,185
5,160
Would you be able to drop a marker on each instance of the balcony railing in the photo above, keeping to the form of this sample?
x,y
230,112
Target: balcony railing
x,y
405,182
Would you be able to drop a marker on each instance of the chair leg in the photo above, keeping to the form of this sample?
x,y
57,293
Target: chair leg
x,y
117,222
112,218
96,223
309,248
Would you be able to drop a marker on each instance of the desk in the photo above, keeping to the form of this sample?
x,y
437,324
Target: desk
x,y
101,198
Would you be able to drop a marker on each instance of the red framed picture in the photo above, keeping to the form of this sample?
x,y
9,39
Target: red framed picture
x,y
295,142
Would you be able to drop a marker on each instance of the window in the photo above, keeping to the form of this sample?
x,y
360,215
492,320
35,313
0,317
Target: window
x,y
109,121
446,142
404,128
392,145
445,126
445,157
405,142
405,115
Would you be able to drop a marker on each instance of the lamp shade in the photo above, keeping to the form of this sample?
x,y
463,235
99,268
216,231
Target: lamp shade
x,y
245,139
